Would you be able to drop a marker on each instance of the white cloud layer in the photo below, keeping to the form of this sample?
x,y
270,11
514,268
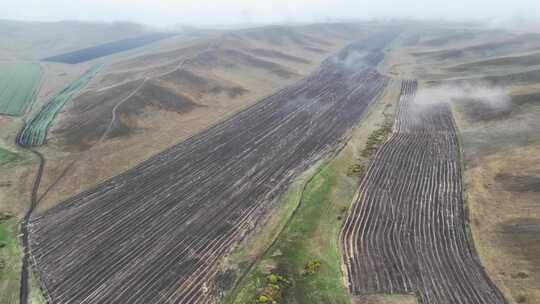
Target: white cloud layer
x,y
204,12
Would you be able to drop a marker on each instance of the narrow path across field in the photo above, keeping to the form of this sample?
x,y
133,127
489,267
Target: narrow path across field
x,y
158,232
406,232
23,293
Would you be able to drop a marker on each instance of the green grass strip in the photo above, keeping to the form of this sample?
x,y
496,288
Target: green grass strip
x,y
35,132
311,237
10,260
19,82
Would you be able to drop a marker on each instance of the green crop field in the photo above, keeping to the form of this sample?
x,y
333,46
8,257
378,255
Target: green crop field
x,y
7,156
35,132
19,82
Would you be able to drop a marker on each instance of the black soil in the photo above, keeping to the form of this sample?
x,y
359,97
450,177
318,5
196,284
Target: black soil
x,y
519,183
106,49
158,232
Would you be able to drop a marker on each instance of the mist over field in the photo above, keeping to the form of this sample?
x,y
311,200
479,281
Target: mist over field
x,y
282,151
483,93
230,12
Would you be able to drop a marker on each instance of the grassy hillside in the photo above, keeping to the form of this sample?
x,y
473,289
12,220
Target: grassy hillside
x,y
158,97
35,132
18,84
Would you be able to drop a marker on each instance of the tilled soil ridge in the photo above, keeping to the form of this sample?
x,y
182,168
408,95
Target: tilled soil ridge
x,y
406,231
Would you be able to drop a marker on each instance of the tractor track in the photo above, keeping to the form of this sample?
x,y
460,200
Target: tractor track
x,y
23,291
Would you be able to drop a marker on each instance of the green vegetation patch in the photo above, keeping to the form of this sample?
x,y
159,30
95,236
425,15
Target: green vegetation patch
x,y
377,137
307,252
35,132
10,259
35,295
10,264
312,267
8,156
356,170
19,82
272,292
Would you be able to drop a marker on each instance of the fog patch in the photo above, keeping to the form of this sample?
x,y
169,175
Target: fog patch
x,y
478,93
349,59
479,102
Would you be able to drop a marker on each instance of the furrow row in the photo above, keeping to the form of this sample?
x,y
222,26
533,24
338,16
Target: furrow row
x,y
158,232
406,231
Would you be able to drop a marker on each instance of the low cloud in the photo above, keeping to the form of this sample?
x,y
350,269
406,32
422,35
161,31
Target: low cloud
x,y
483,93
170,12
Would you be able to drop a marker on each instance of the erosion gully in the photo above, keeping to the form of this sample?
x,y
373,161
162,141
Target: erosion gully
x,y
158,232
406,232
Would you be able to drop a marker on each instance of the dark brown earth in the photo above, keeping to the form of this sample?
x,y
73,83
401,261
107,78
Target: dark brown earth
x,y
504,46
519,183
452,37
158,232
406,232
523,235
218,92
522,99
177,89
479,110
184,78
231,58
90,115
277,55
522,60
156,96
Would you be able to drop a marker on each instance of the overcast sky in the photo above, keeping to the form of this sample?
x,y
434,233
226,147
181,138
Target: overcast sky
x,y
206,12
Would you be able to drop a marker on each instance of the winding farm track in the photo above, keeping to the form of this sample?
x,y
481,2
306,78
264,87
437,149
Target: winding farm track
x,y
25,271
158,232
406,230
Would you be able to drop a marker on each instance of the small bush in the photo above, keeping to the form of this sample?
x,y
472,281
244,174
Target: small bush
x,y
312,267
376,138
273,279
271,293
5,216
356,170
225,280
